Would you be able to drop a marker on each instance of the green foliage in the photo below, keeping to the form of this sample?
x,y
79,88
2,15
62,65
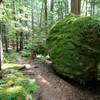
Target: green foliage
x,y
10,56
17,87
11,65
42,58
15,68
74,47
40,49
36,48
25,53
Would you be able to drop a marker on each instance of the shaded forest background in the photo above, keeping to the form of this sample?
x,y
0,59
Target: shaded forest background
x,y
24,23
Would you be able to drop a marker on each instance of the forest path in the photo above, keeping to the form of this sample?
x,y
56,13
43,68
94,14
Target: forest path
x,y
52,87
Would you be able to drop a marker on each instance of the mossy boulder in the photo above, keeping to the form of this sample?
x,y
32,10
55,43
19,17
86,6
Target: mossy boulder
x,y
74,47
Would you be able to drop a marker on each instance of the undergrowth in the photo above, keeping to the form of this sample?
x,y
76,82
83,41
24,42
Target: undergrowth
x,y
42,58
10,57
17,86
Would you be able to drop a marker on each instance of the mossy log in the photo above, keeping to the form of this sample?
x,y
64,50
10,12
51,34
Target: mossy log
x,y
74,47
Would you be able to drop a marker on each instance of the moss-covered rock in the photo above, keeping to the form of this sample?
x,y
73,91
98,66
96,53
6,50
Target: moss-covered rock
x,y
74,47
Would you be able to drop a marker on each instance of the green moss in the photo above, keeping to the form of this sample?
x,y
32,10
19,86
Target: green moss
x,y
17,87
13,93
74,47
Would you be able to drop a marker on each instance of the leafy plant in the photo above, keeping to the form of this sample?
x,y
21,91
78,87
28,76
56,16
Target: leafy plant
x,y
25,53
42,58
10,57
40,49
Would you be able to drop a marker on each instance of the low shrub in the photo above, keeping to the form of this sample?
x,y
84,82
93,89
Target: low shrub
x,y
42,58
10,57
25,53
39,49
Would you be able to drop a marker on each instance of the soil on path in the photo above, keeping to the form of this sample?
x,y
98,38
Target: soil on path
x,y
52,87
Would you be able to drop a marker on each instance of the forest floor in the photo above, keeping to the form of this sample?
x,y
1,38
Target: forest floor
x,y
52,87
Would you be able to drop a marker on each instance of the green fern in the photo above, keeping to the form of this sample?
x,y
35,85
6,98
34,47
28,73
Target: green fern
x,y
17,87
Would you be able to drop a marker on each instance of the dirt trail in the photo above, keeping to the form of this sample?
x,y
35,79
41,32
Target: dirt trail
x,y
55,88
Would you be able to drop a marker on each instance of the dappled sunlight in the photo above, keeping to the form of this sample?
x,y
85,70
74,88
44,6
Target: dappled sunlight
x,y
10,65
43,80
27,66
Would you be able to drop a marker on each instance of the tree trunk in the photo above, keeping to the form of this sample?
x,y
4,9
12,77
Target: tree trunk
x,y
13,44
46,15
1,57
75,6
6,43
17,42
52,5
66,7
32,11
86,8
52,9
93,7
62,16
41,16
21,41
92,4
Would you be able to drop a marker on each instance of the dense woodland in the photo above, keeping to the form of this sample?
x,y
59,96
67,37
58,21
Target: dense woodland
x,y
65,32
23,23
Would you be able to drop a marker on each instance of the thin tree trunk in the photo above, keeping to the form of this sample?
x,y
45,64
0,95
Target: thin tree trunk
x,y
1,57
6,43
86,7
52,6
32,11
13,44
21,41
1,50
41,16
52,9
46,15
62,16
58,11
66,7
6,38
93,7
17,49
